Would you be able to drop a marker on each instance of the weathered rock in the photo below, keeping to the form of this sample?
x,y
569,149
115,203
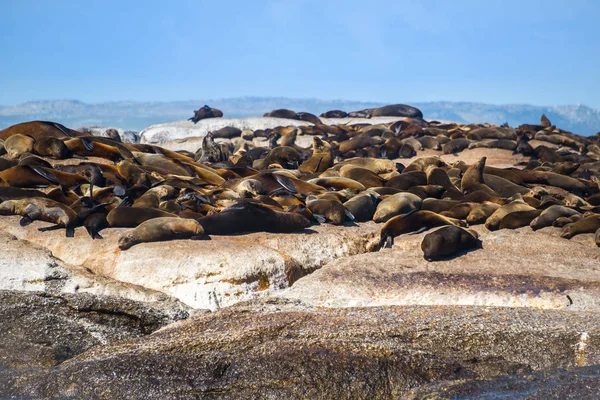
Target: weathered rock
x,y
284,350
573,383
127,136
158,134
44,330
205,274
26,266
515,268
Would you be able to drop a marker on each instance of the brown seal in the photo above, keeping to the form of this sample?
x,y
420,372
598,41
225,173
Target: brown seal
x,y
331,210
519,219
42,209
308,117
321,158
400,203
448,241
128,217
365,176
589,224
281,113
415,221
17,145
334,114
551,214
493,222
205,112
362,206
473,180
249,217
162,229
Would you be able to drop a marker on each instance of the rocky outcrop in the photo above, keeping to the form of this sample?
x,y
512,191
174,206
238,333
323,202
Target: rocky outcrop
x,y
39,329
515,268
572,383
205,274
280,349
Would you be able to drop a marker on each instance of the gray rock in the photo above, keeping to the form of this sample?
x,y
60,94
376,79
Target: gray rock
x,y
282,349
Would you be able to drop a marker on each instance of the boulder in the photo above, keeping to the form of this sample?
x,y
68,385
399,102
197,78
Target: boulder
x,y
281,349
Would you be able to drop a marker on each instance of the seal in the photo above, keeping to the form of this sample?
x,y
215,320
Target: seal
x,y
365,176
42,209
396,110
589,224
362,206
50,146
129,217
334,114
17,145
415,221
37,129
406,180
308,117
94,223
331,210
480,213
551,214
493,222
519,219
205,112
338,183
321,158
162,229
400,203
250,217
456,146
281,113
472,179
449,241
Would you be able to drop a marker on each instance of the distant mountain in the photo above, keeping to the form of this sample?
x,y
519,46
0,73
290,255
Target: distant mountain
x,y
138,115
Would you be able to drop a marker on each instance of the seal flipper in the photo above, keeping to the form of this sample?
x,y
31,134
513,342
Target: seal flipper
x,y
349,214
319,218
286,182
45,174
70,231
51,228
318,165
26,220
93,233
87,143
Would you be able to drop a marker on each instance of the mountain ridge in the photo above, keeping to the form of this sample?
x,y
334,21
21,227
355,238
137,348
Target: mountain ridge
x,y
137,115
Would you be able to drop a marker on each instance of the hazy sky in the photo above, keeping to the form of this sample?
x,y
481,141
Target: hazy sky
x,y
542,52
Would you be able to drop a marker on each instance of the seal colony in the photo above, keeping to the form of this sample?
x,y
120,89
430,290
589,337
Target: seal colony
x,y
352,173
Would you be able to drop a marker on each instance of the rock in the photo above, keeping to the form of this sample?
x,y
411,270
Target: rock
x,y
127,136
44,330
26,266
572,383
515,268
280,349
161,133
205,274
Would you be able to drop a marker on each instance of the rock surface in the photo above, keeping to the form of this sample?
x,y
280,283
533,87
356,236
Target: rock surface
x,y
519,268
40,330
278,349
205,274
573,383
161,133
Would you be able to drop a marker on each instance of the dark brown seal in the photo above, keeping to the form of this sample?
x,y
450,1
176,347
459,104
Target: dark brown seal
x,y
448,241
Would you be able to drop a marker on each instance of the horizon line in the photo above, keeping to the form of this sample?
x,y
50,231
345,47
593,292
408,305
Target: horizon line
x,y
294,99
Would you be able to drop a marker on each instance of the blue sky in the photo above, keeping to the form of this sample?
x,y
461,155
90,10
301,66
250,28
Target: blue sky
x,y
494,51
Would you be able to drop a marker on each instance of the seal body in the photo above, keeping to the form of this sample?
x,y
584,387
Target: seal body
x,y
162,229
448,241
